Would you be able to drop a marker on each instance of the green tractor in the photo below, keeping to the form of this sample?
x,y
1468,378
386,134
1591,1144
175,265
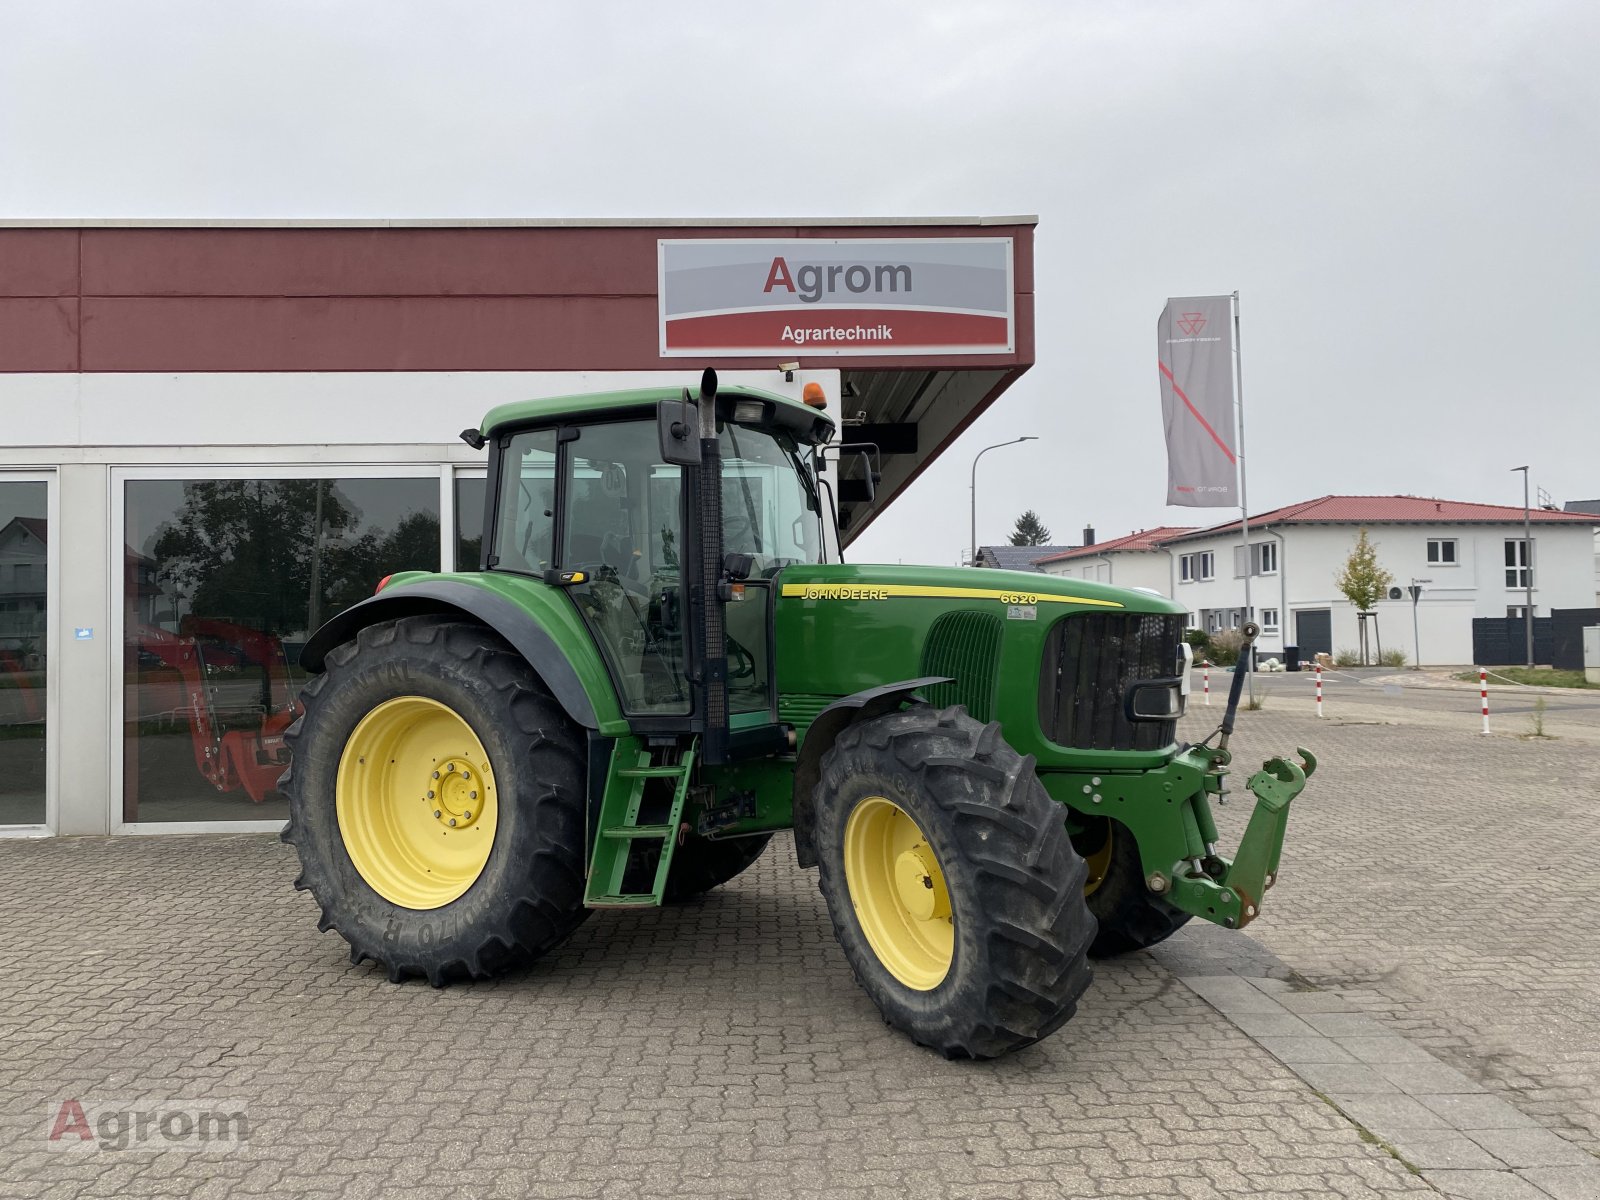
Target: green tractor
x,y
657,667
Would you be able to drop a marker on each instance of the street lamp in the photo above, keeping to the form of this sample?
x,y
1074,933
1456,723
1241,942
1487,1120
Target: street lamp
x,y
975,458
1527,560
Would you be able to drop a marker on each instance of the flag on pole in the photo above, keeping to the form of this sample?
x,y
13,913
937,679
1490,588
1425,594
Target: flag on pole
x,y
1194,347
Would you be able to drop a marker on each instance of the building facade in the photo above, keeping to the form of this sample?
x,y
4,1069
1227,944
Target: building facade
x,y
219,435
1135,561
1590,508
1470,560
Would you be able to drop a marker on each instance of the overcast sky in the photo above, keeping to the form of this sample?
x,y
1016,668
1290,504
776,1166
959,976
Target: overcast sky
x,y
1407,196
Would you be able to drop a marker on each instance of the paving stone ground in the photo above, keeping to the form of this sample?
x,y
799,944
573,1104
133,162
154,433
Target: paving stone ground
x,y
1434,885
1443,882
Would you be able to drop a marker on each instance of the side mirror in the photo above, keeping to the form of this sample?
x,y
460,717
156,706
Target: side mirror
x,y
867,476
677,430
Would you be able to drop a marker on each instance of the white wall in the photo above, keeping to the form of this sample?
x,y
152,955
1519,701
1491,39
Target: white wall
x,y
272,408
1121,568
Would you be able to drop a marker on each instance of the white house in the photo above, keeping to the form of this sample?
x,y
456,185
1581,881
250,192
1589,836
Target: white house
x,y
1469,560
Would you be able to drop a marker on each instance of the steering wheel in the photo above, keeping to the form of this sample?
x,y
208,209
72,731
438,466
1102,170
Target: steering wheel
x,y
606,573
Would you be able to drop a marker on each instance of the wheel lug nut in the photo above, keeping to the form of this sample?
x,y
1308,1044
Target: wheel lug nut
x,y
468,814
430,795
437,813
466,774
449,767
452,820
472,795
436,774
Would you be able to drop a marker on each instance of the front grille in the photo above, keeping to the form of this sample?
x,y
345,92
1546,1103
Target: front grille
x,y
1090,659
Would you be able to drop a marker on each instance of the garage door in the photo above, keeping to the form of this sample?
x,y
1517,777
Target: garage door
x,y
1313,631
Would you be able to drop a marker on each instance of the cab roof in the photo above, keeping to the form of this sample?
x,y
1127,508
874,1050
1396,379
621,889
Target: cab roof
x,y
591,404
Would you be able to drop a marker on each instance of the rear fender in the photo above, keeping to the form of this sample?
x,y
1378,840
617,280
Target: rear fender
x,y
553,641
830,722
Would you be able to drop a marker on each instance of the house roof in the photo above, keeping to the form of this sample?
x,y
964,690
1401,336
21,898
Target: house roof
x,y
1145,539
1583,506
1392,510
1016,558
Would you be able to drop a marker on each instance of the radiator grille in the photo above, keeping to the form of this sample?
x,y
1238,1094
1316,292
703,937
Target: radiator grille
x,y
964,645
801,709
1089,661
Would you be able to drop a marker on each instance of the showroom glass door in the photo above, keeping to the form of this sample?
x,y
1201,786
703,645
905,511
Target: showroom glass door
x,y
467,499
25,633
224,575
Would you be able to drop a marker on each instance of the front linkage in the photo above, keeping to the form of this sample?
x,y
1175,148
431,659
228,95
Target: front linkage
x,y
1168,812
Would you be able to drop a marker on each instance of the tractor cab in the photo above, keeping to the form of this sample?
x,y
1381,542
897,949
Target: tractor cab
x,y
590,503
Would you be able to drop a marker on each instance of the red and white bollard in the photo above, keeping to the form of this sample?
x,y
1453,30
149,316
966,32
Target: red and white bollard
x,y
1205,679
1483,695
1319,689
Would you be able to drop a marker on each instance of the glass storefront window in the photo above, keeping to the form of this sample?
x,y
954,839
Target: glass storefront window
x,y
24,562
224,580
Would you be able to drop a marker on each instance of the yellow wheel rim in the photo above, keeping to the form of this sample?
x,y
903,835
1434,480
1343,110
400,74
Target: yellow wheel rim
x,y
1099,863
416,802
899,893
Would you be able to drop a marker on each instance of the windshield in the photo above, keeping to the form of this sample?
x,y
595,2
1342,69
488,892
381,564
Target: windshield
x,y
769,507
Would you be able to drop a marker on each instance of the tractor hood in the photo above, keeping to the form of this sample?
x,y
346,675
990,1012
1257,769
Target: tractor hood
x,y
873,583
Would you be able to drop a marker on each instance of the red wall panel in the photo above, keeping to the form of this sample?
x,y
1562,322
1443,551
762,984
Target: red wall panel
x,y
38,262
39,334
375,299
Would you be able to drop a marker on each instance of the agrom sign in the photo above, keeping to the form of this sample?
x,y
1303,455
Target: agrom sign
x,y
836,296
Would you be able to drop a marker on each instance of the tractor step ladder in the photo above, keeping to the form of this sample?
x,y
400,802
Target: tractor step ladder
x,y
619,829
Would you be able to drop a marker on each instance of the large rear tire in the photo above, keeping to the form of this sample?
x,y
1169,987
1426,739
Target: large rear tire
x,y
1130,916
436,800
953,887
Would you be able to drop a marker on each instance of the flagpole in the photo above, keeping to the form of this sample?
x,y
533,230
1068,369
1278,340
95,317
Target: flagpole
x,y
1244,506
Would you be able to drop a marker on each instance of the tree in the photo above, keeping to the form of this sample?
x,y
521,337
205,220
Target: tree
x,y
1362,580
1030,531
1364,583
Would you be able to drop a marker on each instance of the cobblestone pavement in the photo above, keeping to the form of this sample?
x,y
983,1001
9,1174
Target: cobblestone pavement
x,y
1442,882
1433,881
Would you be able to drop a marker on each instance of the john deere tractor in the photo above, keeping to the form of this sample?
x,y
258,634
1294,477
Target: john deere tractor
x,y
657,667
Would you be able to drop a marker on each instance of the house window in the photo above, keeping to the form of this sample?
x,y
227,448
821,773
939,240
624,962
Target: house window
x,y
1263,558
1518,572
1200,566
1517,612
1269,620
1442,552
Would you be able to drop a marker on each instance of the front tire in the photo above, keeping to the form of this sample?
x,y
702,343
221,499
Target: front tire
x,y
1130,916
436,802
951,882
